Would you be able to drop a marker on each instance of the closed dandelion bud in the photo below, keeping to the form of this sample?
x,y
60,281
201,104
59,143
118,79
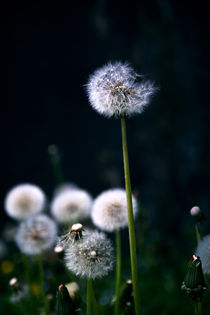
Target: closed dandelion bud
x,y
36,235
71,205
24,201
194,282
197,214
110,212
90,257
203,251
126,298
63,301
117,90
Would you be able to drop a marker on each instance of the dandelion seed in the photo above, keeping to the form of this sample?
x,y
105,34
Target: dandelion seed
x,y
115,90
203,251
91,256
36,235
24,200
109,211
71,205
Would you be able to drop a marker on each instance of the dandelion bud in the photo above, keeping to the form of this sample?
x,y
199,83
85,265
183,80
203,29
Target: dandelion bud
x,y
73,289
110,212
71,205
24,201
91,257
197,214
117,90
194,283
63,301
36,235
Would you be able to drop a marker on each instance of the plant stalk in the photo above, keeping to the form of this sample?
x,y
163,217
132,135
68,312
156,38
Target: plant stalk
x,y
131,229
42,287
118,272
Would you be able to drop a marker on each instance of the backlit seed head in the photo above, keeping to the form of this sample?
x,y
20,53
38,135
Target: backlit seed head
x,y
91,256
24,201
203,251
71,205
117,90
110,211
36,235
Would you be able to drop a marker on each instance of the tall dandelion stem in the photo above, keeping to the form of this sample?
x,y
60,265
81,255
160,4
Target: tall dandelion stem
x,y
198,308
118,272
42,287
132,241
197,232
89,285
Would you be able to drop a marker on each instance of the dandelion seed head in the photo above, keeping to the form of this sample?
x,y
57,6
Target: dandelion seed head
x,y
36,234
109,211
24,200
114,90
71,205
203,251
91,256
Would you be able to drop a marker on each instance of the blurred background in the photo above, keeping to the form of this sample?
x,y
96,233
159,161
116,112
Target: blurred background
x,y
47,55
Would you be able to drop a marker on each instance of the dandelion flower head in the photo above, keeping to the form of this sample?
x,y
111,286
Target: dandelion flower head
x,y
36,234
71,205
203,251
117,90
90,257
24,200
109,211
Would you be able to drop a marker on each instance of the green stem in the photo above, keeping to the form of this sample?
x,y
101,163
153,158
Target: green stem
x,y
132,241
26,269
198,238
42,287
88,296
118,272
56,163
197,231
93,299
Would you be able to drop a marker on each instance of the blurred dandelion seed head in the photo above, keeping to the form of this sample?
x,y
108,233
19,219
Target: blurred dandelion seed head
x,y
203,251
71,205
36,235
115,90
24,200
90,257
109,211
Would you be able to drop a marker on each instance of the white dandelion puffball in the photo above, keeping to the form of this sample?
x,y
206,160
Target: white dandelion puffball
x,y
203,251
71,205
115,90
110,211
24,200
90,257
36,234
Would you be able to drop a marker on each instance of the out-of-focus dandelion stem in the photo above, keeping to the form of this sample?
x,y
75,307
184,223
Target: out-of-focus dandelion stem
x,y
198,307
118,272
91,298
56,163
197,231
42,286
26,269
88,302
132,241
